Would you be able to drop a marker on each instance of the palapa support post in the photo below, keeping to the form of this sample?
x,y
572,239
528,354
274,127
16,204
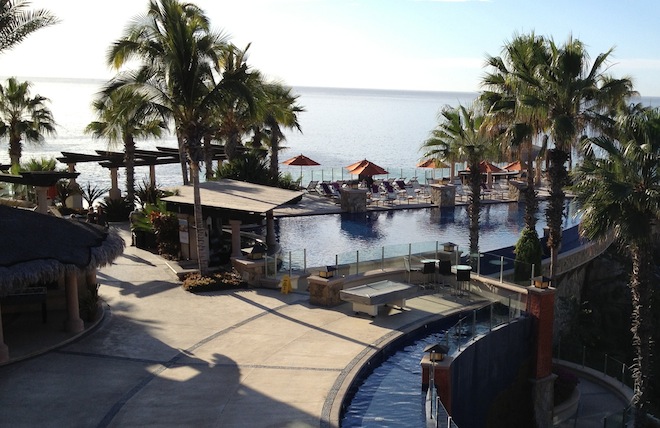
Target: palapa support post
x,y
74,323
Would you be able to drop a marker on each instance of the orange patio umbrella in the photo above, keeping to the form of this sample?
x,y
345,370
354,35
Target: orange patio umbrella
x,y
301,160
432,163
365,168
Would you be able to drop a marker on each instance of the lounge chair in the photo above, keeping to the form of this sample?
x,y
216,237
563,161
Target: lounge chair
x,y
327,190
390,193
312,186
401,185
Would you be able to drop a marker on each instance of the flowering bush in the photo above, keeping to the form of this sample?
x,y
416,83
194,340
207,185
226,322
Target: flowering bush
x,y
217,281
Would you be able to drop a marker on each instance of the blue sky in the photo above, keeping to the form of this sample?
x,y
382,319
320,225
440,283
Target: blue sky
x,y
384,44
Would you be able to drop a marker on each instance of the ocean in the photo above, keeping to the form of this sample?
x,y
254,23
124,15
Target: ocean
x,y
339,127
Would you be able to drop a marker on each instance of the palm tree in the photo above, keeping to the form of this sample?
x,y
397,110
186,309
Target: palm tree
x,y
618,187
124,115
461,134
23,117
16,22
573,96
279,108
178,54
172,37
505,88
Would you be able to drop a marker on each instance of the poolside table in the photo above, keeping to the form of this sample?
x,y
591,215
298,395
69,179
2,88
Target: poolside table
x,y
367,298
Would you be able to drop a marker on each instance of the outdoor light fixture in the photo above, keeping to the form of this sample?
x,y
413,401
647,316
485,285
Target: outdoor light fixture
x,y
541,281
437,351
449,246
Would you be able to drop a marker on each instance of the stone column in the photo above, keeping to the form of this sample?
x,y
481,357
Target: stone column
x,y
235,238
42,199
4,350
270,229
115,193
73,323
73,201
540,305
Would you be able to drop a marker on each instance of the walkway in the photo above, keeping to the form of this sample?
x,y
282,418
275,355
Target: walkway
x,y
165,357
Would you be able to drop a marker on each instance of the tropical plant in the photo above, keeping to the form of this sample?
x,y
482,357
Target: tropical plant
x,y
91,193
250,167
116,209
41,164
23,117
17,22
124,115
618,188
572,95
461,134
65,189
148,193
177,54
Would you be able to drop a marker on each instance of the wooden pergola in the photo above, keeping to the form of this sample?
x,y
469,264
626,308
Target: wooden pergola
x,y
115,160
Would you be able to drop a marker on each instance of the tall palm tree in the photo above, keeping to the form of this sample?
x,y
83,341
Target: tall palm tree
x,y
618,187
172,37
124,115
17,22
461,134
505,86
178,54
23,117
574,96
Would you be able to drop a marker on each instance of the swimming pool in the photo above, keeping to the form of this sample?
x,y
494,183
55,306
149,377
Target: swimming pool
x,y
388,391
324,236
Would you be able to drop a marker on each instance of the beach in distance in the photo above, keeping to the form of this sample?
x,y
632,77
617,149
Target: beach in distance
x,y
339,127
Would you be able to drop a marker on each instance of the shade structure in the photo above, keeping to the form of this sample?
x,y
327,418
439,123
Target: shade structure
x,y
366,168
44,246
432,163
515,166
486,167
301,160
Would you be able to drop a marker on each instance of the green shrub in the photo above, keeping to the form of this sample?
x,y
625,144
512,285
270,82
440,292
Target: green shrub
x,y
117,209
196,283
528,252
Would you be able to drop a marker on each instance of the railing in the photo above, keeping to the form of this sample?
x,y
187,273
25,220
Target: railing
x,y
392,256
609,367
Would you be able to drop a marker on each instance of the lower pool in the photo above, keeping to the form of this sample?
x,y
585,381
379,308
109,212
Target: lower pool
x,y
388,392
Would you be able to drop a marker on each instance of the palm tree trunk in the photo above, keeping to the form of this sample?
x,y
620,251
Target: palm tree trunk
x,y
641,288
474,207
208,157
531,202
557,176
183,159
129,161
275,137
200,226
15,150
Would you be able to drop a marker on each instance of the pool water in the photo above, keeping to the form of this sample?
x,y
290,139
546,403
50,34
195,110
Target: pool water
x,y
391,394
323,236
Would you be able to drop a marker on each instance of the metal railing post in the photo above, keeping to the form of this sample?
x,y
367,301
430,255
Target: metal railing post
x,y
357,261
501,269
290,269
478,263
337,264
305,258
623,374
382,258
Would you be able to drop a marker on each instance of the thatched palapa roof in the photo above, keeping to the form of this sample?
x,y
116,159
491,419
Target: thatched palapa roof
x,y
38,248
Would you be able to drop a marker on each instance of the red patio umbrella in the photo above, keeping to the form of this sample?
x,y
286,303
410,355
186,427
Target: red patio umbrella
x,y
432,163
515,166
487,167
301,160
366,168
